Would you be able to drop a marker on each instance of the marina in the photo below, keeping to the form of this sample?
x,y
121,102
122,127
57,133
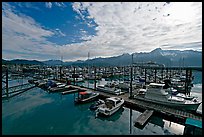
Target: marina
x,y
101,68
174,115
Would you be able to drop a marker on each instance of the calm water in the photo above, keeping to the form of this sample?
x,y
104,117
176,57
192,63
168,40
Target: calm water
x,y
39,112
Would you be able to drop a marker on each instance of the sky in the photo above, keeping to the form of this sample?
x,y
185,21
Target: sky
x,y
70,30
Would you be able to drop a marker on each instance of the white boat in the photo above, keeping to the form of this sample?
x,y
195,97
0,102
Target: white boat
x,y
85,96
156,93
111,90
123,85
60,85
185,96
110,106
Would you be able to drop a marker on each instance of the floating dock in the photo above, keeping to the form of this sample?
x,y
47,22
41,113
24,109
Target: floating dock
x,y
70,91
143,118
172,114
16,90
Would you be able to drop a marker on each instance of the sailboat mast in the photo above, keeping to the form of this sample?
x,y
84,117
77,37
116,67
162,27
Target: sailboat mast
x,y
88,69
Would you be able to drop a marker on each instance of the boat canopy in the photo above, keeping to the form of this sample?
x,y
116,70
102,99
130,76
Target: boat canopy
x,y
193,122
83,93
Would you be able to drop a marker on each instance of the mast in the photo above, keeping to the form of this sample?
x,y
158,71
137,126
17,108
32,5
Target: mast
x,y
131,78
88,69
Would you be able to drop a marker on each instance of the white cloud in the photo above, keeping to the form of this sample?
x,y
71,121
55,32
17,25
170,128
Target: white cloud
x,y
60,33
60,4
121,28
140,26
21,35
48,4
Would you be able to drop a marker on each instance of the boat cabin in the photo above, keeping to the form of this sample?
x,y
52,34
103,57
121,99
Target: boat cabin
x,y
84,94
112,102
156,91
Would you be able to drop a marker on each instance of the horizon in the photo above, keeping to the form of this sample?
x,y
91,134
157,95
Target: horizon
x,y
102,29
91,58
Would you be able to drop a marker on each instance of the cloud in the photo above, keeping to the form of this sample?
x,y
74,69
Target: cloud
x,y
125,27
60,33
60,4
48,4
22,33
186,46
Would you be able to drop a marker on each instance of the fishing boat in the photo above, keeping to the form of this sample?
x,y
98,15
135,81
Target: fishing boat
x,y
85,96
111,105
109,88
157,93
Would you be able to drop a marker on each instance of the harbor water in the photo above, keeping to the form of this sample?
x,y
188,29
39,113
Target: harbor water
x,y
37,112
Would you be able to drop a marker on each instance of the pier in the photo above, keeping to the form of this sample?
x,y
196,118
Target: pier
x,y
173,114
143,118
70,91
158,109
15,90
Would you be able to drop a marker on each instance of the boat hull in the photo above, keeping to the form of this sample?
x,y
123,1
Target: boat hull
x,y
109,90
105,112
81,101
187,107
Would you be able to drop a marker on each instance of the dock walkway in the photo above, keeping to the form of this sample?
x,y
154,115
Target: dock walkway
x,y
142,119
134,103
15,90
144,105
160,109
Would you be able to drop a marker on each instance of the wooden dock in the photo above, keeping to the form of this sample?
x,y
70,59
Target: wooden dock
x,y
173,114
70,91
16,90
165,111
143,118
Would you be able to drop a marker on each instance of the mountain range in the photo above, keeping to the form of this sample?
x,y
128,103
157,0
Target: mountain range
x,y
166,57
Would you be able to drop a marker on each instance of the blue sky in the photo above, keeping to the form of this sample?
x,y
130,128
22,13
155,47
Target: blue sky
x,y
49,30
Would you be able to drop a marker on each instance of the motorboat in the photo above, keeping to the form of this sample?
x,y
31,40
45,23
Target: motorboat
x,y
96,104
185,96
109,88
110,106
157,93
85,96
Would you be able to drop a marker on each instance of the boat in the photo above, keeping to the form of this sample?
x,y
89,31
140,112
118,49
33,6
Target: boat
x,y
85,96
111,105
109,88
96,104
185,96
157,93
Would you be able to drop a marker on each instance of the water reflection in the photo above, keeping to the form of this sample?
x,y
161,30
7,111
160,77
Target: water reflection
x,y
113,117
26,102
56,114
157,121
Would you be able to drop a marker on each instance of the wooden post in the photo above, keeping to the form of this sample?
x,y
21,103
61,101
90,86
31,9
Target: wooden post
x,y
155,75
131,79
130,120
95,78
74,76
145,76
7,83
60,72
123,73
